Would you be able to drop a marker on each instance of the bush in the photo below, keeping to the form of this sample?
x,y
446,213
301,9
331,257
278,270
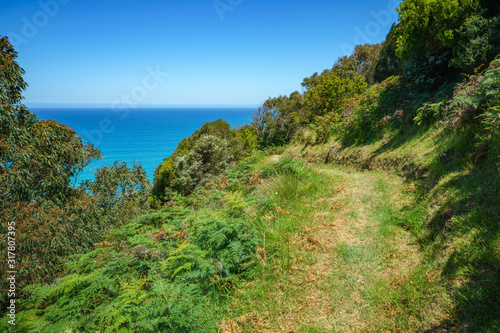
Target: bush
x,y
478,43
286,166
208,157
165,272
205,153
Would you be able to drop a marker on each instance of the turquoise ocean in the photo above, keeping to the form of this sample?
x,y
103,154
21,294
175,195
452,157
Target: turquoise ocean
x,y
142,135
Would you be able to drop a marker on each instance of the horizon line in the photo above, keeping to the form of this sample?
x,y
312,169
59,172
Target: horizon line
x,y
103,105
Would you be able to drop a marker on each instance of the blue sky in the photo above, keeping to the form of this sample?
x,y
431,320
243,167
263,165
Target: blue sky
x,y
198,52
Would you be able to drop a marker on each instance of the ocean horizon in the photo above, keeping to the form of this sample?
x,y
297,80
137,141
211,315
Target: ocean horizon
x,y
145,135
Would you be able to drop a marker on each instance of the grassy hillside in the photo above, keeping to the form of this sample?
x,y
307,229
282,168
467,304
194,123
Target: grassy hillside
x,y
276,245
372,204
454,220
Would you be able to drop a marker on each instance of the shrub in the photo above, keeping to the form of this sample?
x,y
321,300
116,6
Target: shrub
x,y
165,272
208,157
286,166
205,153
478,43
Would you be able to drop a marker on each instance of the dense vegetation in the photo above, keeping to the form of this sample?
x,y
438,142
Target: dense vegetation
x,y
424,104
205,154
53,218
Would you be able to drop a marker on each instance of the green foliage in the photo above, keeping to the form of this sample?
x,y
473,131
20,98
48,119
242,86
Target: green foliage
x,y
426,36
37,158
358,63
11,73
37,161
209,156
41,162
319,107
477,100
286,166
479,44
47,234
119,185
332,94
50,231
387,64
490,119
278,119
199,157
387,105
238,147
164,175
429,113
421,50
249,138
169,271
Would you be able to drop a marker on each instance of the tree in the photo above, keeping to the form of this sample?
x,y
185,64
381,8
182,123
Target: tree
x,y
42,161
332,94
426,36
37,158
278,119
118,185
387,63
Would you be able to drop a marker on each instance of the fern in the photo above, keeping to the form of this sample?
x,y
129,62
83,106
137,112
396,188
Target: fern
x,y
169,271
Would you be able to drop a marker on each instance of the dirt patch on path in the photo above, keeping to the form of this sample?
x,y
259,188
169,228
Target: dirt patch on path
x,y
341,261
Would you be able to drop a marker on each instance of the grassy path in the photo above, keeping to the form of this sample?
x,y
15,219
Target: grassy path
x,y
343,264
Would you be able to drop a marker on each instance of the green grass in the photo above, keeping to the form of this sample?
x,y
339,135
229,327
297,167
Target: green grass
x,y
340,259
306,248
453,219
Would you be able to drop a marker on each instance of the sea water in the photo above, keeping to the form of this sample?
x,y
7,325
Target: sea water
x,y
141,135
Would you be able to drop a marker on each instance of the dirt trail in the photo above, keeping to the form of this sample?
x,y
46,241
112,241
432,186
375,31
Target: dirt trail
x,y
365,255
346,259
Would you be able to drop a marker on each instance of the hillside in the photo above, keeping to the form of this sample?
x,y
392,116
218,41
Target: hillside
x,y
367,202
276,245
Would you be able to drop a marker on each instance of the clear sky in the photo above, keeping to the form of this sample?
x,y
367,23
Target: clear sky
x,y
197,52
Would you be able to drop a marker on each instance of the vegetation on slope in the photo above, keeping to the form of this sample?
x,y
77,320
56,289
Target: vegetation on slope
x,y
206,153
424,105
171,270
40,204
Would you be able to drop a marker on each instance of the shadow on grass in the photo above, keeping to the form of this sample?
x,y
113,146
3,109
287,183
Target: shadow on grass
x,y
461,235
467,226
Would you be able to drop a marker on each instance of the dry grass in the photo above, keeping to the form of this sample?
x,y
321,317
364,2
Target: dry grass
x,y
339,259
